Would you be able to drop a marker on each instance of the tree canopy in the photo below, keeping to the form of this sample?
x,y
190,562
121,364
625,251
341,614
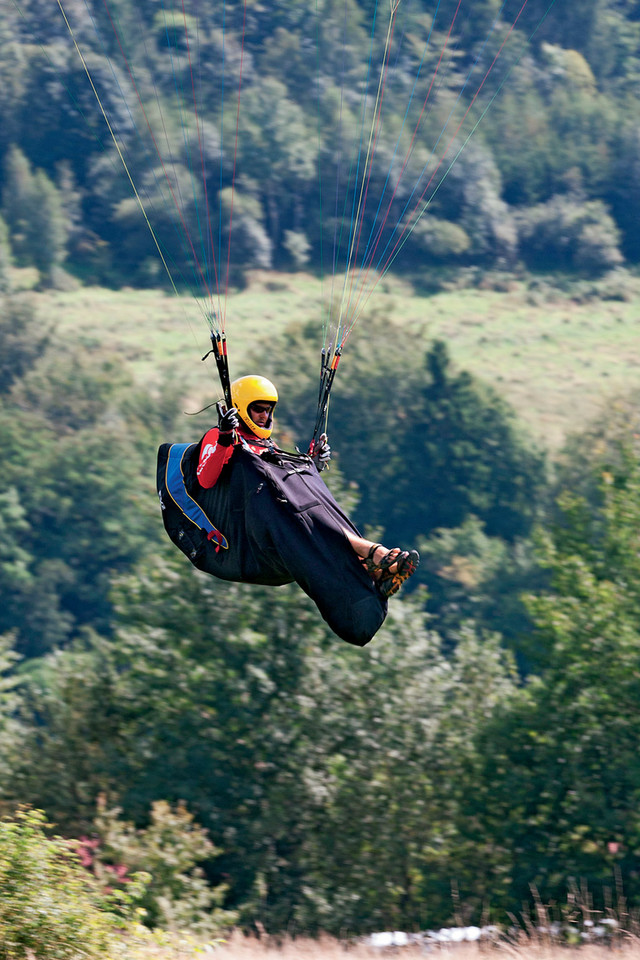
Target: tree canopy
x,y
283,98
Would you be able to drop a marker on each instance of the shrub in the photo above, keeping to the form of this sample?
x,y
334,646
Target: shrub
x,y
49,905
298,248
566,233
442,239
168,850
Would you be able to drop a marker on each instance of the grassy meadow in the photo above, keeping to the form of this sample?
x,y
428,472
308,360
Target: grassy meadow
x,y
557,360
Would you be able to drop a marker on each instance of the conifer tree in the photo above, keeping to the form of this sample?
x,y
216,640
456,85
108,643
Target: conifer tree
x,y
5,257
47,229
16,201
34,211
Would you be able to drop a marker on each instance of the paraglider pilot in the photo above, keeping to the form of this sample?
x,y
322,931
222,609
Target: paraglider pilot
x,y
248,425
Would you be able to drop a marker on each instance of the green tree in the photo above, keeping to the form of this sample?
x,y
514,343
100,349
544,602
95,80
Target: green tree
x,y
78,740
34,212
522,140
10,728
441,239
565,233
48,230
561,780
574,29
624,190
397,733
5,258
464,455
472,196
248,245
17,195
76,448
278,150
13,60
14,559
599,447
328,776
471,576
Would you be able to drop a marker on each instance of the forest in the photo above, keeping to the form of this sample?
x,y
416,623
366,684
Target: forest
x,y
217,738
548,179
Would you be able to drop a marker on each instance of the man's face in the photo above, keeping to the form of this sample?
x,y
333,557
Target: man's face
x,y
260,413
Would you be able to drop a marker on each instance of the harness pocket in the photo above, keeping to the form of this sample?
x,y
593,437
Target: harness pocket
x,y
295,487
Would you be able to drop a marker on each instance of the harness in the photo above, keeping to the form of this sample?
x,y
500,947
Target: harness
x,y
176,487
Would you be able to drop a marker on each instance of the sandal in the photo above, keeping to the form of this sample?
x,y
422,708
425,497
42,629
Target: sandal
x,y
406,565
391,556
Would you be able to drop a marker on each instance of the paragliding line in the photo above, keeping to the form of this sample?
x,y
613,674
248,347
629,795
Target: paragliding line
x,y
400,240
153,138
117,146
371,146
415,133
386,216
201,148
337,240
404,123
235,157
180,235
406,232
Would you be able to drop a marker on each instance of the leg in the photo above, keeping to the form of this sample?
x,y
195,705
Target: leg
x,y
361,546
368,550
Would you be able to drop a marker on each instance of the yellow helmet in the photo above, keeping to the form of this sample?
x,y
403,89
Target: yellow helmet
x,y
248,390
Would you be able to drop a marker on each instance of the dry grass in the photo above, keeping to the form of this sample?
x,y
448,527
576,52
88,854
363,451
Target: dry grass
x,y
240,947
326,948
626,950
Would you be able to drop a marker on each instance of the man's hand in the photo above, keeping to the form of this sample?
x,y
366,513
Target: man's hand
x,y
229,421
322,452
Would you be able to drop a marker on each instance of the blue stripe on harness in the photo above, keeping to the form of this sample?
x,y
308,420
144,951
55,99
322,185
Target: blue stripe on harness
x,y
174,480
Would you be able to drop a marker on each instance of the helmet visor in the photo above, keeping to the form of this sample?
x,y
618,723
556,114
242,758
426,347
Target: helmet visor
x,y
261,413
